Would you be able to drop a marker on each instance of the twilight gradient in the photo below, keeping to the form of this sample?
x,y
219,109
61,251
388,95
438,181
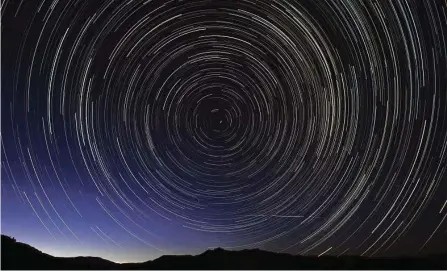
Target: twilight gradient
x,y
133,129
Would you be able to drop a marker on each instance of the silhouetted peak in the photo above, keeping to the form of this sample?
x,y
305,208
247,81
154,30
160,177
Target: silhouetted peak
x,y
6,238
217,250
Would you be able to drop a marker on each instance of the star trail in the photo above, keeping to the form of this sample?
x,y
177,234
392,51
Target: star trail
x,y
133,129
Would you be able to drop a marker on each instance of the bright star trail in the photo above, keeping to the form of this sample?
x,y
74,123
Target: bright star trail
x,y
133,129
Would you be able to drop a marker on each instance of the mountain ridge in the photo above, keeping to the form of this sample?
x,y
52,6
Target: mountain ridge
x,y
14,253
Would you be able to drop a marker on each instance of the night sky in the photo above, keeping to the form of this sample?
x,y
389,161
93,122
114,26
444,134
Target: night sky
x,y
134,129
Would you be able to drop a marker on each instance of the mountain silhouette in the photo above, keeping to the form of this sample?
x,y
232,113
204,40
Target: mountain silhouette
x,y
16,255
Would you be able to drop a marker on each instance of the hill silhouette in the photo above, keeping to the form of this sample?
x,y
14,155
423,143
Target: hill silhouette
x,y
16,255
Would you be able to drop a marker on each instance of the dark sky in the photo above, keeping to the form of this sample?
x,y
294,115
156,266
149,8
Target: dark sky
x,y
133,129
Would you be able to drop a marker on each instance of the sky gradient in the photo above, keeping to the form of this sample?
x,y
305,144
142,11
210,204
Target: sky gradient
x,y
134,129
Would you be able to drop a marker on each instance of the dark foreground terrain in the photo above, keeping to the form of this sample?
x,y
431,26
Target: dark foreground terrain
x,y
16,255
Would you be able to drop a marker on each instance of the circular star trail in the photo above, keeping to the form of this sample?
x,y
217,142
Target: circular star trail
x,y
307,127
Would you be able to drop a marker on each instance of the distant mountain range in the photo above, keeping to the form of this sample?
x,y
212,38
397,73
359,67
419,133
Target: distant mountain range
x,y
16,255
